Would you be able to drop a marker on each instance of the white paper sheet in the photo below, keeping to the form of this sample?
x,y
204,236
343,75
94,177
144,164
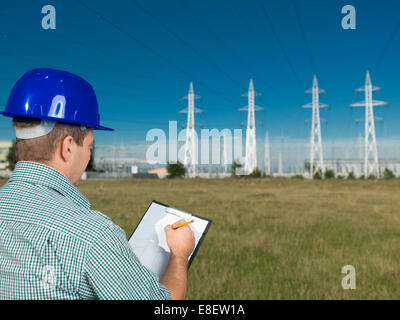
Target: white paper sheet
x,y
148,242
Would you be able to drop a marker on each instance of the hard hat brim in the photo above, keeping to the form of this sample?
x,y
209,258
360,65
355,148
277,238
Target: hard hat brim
x,y
103,128
98,127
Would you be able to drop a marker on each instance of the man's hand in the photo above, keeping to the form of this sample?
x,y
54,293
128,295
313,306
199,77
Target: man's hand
x,y
180,240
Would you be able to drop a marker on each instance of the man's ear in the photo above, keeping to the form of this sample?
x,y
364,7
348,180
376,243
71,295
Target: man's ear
x,y
66,148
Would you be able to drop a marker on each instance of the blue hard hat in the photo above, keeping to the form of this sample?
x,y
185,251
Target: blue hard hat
x,y
54,95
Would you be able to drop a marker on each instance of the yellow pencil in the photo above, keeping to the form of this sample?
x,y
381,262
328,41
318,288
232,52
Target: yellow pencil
x,y
182,224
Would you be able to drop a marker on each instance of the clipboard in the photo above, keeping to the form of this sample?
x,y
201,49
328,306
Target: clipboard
x,y
145,239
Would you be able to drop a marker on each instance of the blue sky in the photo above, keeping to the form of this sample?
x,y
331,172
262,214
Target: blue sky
x,y
141,61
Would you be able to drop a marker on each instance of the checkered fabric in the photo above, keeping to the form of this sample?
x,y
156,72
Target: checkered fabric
x,y
53,246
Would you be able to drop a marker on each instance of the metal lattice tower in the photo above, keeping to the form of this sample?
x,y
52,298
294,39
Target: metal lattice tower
x,y
316,155
267,156
224,157
360,146
250,163
371,162
280,164
190,158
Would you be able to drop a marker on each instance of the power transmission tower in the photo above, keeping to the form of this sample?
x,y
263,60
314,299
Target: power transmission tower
x,y
280,164
222,168
190,158
360,146
316,156
224,157
371,162
250,163
267,155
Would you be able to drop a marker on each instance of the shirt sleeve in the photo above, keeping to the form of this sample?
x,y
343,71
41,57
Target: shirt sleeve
x,y
114,271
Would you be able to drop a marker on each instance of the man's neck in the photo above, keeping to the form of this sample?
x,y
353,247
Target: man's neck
x,y
53,164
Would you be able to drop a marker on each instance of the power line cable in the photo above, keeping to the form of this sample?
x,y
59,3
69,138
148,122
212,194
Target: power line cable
x,y
218,38
225,45
89,49
108,81
386,47
250,30
280,43
243,19
303,35
148,48
184,42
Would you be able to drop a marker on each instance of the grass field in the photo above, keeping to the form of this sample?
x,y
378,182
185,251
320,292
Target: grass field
x,y
276,238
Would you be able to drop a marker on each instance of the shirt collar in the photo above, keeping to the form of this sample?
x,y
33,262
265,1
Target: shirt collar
x,y
38,173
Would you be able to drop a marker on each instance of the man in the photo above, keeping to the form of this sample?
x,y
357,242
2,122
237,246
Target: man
x,y
52,245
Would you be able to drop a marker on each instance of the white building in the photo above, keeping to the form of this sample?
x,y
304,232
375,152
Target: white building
x,y
4,147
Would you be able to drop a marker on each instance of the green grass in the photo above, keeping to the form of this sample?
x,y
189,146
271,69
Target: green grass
x,y
276,238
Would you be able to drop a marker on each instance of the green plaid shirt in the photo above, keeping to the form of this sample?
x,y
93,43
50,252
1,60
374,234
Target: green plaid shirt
x,y
53,246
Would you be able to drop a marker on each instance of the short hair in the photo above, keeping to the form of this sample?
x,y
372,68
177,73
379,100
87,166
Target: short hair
x,y
42,149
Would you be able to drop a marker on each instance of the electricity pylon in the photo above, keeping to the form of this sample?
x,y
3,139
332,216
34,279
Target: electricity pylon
x,y
190,158
267,155
360,146
371,162
316,155
224,165
250,163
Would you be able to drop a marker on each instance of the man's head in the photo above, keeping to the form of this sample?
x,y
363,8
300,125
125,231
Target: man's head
x,y
55,113
66,147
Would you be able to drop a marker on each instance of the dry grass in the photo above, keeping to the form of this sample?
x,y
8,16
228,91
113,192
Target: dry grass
x,y
276,238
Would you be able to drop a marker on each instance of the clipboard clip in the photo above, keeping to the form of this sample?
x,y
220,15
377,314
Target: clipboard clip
x,y
178,213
